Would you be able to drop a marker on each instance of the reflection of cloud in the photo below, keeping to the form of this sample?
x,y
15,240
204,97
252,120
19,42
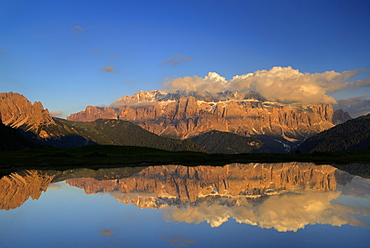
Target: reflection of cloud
x,y
107,232
357,106
288,212
77,30
282,84
108,69
56,113
176,60
359,188
54,186
178,240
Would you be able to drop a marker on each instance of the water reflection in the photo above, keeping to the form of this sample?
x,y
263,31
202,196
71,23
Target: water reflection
x,y
283,196
17,188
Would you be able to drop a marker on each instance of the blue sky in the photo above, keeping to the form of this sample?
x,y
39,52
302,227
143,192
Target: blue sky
x,y
70,54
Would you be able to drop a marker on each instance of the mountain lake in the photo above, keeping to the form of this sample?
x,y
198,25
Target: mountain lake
x,y
236,205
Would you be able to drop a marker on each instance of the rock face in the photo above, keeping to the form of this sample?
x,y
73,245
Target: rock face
x,y
16,111
182,117
159,186
16,188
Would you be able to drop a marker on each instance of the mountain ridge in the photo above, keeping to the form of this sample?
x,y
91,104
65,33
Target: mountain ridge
x,y
185,116
353,134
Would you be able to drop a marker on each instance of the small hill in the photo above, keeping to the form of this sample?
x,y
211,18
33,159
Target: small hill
x,y
123,133
351,135
228,143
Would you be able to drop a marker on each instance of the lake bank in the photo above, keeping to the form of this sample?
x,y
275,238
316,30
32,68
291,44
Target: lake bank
x,y
127,156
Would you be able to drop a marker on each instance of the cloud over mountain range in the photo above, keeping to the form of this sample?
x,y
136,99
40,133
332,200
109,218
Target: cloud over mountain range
x,y
281,84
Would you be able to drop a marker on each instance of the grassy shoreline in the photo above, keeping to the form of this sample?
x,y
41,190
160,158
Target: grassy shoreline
x,y
106,156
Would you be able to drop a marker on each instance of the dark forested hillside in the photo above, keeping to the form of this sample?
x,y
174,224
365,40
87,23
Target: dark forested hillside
x,y
351,135
117,132
228,143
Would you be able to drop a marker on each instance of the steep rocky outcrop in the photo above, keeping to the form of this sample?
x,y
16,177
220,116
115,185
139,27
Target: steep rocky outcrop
x,y
159,186
18,112
182,117
17,188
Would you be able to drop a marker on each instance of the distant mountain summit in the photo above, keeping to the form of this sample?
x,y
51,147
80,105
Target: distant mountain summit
x,y
351,135
146,97
340,116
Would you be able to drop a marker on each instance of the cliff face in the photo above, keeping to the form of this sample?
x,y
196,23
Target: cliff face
x,y
16,111
159,186
188,116
17,188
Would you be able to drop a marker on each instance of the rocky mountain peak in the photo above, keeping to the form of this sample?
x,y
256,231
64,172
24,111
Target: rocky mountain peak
x,y
340,116
17,111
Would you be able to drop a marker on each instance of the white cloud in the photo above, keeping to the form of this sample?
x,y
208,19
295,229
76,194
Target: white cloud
x,y
282,84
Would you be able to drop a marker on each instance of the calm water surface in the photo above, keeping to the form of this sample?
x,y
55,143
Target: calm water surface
x,y
237,205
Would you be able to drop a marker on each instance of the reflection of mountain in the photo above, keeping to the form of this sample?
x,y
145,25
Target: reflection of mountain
x,y
284,196
16,188
157,186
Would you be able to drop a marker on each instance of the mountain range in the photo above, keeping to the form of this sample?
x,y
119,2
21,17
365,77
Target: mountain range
x,y
280,127
35,123
235,123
